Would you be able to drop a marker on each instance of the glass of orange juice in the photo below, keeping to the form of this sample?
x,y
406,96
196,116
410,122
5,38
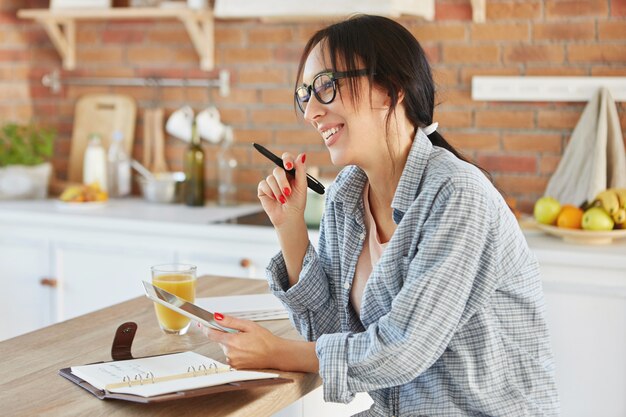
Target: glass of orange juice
x,y
179,279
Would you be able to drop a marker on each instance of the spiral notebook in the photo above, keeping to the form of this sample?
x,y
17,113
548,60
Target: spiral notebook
x,y
166,377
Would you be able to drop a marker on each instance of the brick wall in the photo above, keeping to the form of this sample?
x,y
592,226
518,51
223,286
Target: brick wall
x,y
520,144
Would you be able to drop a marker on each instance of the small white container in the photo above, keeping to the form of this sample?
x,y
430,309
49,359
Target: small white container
x,y
95,163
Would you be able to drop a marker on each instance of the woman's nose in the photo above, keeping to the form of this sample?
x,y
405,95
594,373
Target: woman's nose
x,y
313,109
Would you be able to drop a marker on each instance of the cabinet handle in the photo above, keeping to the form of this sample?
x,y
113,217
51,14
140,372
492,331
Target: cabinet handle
x,y
48,282
245,263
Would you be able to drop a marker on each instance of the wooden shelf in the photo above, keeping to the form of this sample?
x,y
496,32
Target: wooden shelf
x,y
61,27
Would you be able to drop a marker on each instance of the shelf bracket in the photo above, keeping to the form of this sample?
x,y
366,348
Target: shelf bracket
x,y
63,36
201,32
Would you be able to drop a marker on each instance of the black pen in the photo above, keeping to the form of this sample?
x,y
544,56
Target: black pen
x,y
312,183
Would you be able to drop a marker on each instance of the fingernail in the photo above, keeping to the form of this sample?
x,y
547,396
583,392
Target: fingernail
x,y
303,157
218,316
289,165
282,199
287,191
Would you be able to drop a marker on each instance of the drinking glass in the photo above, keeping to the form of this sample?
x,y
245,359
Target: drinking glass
x,y
178,279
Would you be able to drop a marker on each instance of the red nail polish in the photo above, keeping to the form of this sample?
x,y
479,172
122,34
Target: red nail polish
x,y
289,165
303,157
282,199
218,316
287,191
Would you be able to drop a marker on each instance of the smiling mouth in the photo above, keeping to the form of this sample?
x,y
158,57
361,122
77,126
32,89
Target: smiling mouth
x,y
327,134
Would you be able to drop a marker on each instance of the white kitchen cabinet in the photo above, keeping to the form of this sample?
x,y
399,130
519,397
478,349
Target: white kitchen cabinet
x,y
26,304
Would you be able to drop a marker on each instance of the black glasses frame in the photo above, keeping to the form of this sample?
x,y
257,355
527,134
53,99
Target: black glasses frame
x,y
334,76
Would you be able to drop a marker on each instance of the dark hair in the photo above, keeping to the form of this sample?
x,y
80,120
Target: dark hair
x,y
394,59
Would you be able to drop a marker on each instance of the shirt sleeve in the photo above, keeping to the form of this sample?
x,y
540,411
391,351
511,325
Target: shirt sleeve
x,y
454,256
310,302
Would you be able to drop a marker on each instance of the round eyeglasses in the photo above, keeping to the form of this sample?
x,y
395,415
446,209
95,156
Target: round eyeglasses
x,y
324,87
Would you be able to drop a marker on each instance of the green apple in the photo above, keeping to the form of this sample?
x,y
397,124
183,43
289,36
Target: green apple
x,y
596,218
547,210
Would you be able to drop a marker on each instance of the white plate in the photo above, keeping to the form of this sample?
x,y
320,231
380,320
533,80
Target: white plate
x,y
586,237
86,206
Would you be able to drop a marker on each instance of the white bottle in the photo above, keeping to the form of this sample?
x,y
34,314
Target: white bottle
x,y
226,162
118,167
94,163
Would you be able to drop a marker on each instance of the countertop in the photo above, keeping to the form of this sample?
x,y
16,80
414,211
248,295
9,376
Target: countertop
x,y
30,385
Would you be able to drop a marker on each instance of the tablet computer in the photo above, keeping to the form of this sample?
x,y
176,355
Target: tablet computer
x,y
184,307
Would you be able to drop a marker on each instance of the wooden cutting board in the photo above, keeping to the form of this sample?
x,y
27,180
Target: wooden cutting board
x,y
102,114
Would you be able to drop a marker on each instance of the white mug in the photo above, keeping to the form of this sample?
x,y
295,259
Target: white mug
x,y
209,126
180,123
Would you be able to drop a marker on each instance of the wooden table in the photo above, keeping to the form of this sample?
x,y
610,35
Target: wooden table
x,y
30,385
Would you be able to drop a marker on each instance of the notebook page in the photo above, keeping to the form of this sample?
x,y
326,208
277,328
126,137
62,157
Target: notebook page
x,y
201,381
102,374
251,307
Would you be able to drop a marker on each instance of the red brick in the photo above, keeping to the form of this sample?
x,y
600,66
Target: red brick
x,y
548,164
557,71
513,10
263,136
262,75
618,8
245,55
521,184
508,163
533,53
564,31
13,55
531,142
555,9
452,97
474,141
438,32
233,116
470,54
277,96
453,11
237,96
229,35
273,116
445,77
289,54
614,30
270,34
433,53
453,118
611,71
548,119
170,36
109,54
305,136
122,35
506,119
597,53
500,32
468,72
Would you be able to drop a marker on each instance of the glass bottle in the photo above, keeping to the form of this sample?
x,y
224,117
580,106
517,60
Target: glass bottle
x,y
226,165
94,163
194,171
118,167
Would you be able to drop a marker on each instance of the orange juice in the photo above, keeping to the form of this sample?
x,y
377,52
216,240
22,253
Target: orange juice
x,y
184,286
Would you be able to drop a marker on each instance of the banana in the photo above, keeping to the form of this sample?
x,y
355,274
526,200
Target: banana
x,y
620,217
609,201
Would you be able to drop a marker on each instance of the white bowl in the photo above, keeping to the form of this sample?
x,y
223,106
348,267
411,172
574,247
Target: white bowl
x,y
164,188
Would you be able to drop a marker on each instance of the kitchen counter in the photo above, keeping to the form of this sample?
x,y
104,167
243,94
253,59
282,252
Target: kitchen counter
x,y
30,386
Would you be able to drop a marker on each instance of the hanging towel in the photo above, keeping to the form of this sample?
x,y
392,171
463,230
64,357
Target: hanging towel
x,y
594,159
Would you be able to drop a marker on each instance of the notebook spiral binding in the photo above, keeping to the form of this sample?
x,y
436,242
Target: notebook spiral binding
x,y
149,378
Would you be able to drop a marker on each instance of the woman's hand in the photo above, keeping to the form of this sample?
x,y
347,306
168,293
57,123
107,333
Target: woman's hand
x,y
254,347
284,198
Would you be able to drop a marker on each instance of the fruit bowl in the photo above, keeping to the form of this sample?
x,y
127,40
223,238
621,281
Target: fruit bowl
x,y
585,237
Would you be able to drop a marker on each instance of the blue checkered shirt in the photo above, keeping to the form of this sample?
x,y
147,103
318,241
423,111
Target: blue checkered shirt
x,y
452,316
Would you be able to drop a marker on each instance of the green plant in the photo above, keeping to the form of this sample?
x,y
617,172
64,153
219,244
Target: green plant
x,y
25,144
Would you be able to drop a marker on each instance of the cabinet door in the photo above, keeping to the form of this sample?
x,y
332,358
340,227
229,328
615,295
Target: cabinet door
x,y
586,315
27,304
231,259
92,276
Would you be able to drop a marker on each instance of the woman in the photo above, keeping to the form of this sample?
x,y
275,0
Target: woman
x,y
423,291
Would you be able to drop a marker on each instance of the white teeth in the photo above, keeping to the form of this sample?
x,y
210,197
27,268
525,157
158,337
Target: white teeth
x,y
328,133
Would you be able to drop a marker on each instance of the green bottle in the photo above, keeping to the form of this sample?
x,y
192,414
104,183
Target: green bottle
x,y
194,171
